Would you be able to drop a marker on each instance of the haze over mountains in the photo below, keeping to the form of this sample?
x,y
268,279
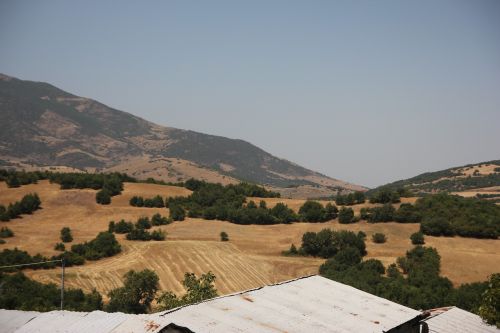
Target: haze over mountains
x,y
44,126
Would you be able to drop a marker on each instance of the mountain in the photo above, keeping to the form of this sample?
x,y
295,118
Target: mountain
x,y
42,126
484,175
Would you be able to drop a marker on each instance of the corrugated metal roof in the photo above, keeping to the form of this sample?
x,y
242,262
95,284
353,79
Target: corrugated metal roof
x,y
12,320
456,320
312,304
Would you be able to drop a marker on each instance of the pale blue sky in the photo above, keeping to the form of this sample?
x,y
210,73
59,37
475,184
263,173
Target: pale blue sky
x,y
365,91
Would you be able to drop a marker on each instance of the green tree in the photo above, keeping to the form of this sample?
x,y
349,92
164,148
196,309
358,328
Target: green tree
x,y
177,213
312,211
379,238
138,291
417,238
346,215
6,232
197,290
60,247
224,237
66,235
489,309
331,211
103,197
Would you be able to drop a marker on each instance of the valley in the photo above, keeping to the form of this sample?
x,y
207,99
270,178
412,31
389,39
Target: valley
x,y
251,258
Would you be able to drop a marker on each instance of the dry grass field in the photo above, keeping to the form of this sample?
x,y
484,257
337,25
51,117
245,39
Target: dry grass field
x,y
250,259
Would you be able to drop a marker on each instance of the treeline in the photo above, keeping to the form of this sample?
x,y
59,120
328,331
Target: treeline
x,y
18,178
108,184
21,293
228,203
104,245
28,204
138,231
443,215
328,243
350,199
154,202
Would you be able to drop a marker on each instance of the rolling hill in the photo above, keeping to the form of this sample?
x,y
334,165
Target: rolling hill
x,y
476,178
42,126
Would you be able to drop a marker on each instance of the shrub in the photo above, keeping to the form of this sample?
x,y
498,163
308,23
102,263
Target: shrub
x,y
6,232
121,227
177,213
157,219
312,211
60,247
346,215
379,238
103,197
104,245
417,238
224,236
66,236
143,223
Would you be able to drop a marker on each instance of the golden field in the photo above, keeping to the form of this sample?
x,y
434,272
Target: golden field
x,y
250,259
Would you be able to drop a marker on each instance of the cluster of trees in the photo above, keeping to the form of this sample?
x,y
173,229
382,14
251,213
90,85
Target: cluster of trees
x,y
386,195
156,201
104,245
414,281
327,243
17,178
350,199
140,288
28,204
21,293
448,215
138,230
108,184
228,203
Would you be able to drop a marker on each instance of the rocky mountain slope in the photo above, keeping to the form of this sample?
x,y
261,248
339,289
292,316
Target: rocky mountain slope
x,y
42,126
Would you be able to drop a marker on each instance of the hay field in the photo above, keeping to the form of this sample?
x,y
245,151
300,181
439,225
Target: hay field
x,y
250,259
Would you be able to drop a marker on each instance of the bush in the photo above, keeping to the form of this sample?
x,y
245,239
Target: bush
x,y
104,245
28,204
327,243
417,238
384,196
157,219
6,232
312,211
122,227
346,215
103,197
143,223
381,214
60,247
177,213
224,236
66,236
379,238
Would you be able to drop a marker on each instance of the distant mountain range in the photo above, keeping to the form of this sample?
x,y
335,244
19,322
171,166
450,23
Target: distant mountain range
x,y
483,175
42,126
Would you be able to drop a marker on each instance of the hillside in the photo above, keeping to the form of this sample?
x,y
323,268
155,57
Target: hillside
x,y
42,126
250,259
471,179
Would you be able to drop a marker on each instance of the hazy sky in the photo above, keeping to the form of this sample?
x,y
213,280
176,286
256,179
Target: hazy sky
x,y
365,91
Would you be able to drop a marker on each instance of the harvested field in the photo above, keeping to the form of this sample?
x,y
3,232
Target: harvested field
x,y
250,259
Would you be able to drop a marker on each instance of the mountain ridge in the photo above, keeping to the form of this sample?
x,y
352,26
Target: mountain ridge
x,y
44,126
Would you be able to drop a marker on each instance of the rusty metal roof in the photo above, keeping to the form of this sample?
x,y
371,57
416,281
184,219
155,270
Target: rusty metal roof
x,y
456,320
311,304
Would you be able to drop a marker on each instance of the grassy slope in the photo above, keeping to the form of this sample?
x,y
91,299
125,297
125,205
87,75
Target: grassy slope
x,y
251,258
